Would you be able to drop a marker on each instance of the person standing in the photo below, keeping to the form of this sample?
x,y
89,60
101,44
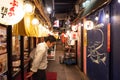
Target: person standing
x,y
39,64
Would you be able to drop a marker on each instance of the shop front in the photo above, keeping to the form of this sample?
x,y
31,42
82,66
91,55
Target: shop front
x,y
95,37
18,36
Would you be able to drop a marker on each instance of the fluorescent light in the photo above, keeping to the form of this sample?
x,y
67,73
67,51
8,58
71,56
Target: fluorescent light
x,y
118,1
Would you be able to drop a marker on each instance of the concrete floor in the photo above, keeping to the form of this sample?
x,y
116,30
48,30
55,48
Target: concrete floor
x,y
64,72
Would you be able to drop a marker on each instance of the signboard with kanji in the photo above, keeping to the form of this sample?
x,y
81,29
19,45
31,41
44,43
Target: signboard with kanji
x,y
11,11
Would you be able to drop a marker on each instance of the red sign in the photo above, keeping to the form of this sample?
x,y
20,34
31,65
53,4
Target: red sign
x,y
56,23
108,37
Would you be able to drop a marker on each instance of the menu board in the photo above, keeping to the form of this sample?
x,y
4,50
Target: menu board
x,y
3,53
16,53
26,50
3,38
32,43
3,67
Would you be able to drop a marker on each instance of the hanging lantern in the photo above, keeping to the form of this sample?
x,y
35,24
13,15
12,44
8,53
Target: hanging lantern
x,y
29,7
11,11
74,28
74,35
35,21
89,24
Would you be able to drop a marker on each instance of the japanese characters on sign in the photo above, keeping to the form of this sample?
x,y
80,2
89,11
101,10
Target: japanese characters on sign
x,y
11,11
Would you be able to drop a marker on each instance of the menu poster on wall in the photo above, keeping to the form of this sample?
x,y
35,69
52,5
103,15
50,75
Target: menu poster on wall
x,y
3,67
16,53
3,53
3,40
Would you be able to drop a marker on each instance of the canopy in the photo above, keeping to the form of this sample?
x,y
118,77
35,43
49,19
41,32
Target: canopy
x,y
25,28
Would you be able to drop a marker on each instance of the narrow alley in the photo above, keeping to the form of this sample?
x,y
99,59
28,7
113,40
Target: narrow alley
x,y
64,72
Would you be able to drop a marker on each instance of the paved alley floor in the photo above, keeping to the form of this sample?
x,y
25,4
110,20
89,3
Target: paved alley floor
x,y
64,72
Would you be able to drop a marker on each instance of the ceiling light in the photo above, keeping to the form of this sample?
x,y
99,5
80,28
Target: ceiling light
x,y
86,3
107,15
96,18
49,10
118,1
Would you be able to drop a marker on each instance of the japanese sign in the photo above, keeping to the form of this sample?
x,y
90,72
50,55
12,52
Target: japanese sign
x,y
89,25
11,11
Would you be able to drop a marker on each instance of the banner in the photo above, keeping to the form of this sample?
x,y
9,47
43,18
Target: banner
x,y
56,23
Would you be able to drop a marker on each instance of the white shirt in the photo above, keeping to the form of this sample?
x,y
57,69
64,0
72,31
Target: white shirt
x,y
40,59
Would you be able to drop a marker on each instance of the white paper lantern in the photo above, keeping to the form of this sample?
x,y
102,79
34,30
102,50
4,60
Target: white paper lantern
x,y
11,11
74,28
89,25
35,21
29,7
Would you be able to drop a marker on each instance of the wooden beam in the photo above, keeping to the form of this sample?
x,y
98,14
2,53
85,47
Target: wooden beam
x,y
41,10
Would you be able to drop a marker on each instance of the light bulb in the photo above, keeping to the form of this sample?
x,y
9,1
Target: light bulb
x,y
35,21
49,10
96,18
29,7
107,15
118,1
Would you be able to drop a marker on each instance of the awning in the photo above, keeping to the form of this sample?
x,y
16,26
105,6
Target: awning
x,y
25,28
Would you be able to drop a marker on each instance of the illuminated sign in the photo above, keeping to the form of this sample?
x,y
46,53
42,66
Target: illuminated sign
x,y
11,11
89,25
56,23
